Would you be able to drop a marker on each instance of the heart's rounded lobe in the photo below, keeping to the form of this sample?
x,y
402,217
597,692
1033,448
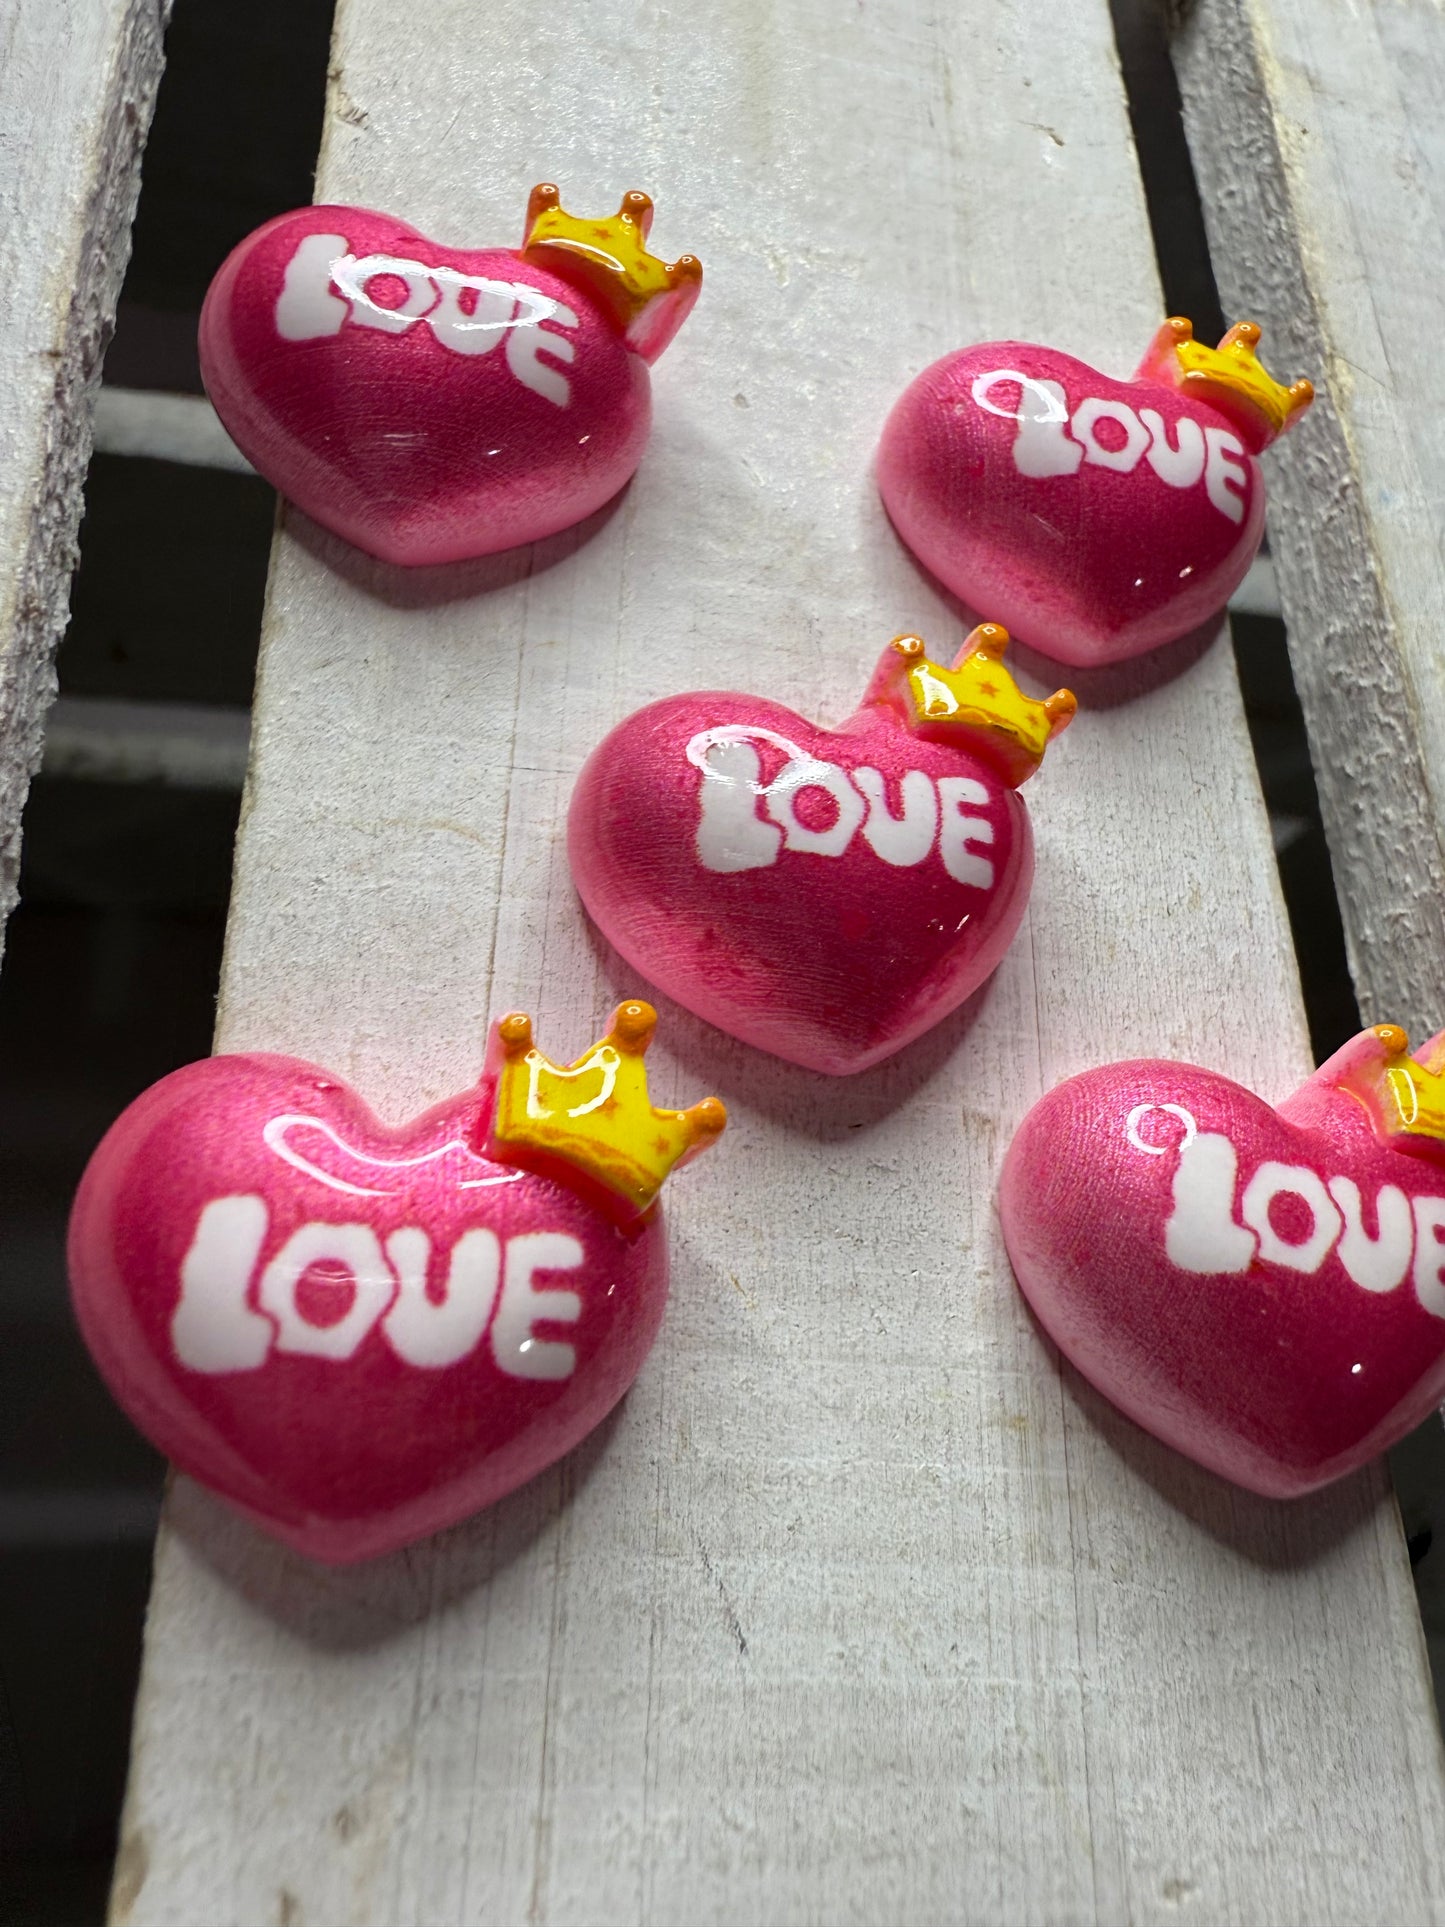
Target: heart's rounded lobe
x,y
832,956
336,1325
1080,556
1253,1351
417,439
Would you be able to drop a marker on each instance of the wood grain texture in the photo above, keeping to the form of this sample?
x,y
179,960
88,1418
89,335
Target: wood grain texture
x,y
77,85
859,1609
1316,133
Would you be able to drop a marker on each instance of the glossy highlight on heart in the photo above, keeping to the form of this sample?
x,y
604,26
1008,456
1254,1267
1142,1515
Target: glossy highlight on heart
x,y
432,403
826,895
1263,1289
359,1335
1096,518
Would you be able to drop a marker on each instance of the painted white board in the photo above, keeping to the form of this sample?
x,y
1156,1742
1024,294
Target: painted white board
x,y
77,85
860,1610
1317,136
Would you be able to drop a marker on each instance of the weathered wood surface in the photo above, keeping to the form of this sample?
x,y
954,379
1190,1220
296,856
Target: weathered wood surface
x,y
77,85
860,1610
1318,140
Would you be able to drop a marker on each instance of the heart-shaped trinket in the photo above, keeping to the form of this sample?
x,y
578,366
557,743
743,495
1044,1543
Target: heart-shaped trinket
x,y
431,403
1096,518
1262,1289
360,1335
826,895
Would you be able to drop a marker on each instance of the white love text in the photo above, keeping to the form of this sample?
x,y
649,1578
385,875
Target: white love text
x,y
745,823
235,1310
1326,1214
328,288
1053,441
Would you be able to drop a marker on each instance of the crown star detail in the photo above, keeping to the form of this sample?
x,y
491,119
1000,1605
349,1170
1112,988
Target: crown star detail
x,y
977,697
1230,378
593,1117
648,298
1405,1097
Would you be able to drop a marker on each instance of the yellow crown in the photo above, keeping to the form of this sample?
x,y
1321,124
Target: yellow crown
x,y
649,299
593,1116
1233,379
977,697
1408,1097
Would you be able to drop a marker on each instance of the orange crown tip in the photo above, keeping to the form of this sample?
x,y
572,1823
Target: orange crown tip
x,y
1230,378
514,1034
1394,1041
977,698
648,298
593,1120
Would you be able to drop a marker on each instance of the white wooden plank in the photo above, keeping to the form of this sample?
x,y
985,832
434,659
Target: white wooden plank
x,y
77,84
859,1610
110,739
164,428
1315,126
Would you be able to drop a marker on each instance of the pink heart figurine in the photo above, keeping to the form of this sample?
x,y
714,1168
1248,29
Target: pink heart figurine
x,y
359,1335
826,895
1096,518
431,403
1262,1289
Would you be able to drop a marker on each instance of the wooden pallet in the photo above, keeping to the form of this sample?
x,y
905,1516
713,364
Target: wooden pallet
x,y
77,86
862,1609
